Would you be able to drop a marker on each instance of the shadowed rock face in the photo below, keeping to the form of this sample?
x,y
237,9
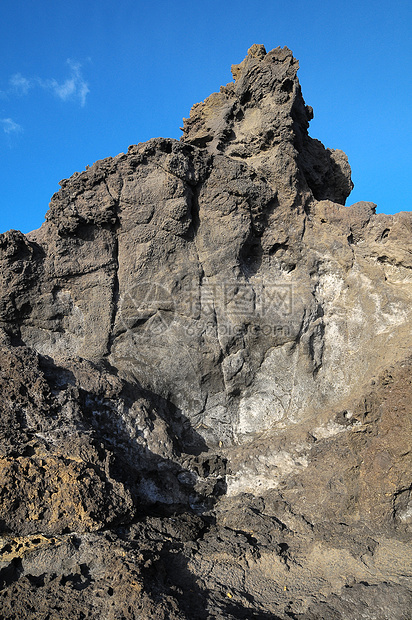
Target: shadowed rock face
x,y
205,379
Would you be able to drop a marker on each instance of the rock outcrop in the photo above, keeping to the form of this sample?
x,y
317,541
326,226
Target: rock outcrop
x,y
205,372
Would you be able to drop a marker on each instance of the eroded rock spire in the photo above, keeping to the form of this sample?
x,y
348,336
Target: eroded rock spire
x,y
262,118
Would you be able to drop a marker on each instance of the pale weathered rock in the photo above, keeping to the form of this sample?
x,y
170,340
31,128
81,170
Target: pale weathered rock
x,y
205,379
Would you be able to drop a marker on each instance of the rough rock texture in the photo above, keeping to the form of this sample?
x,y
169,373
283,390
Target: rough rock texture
x,y
205,379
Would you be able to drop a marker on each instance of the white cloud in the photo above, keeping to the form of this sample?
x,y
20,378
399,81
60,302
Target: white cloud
x,y
9,126
20,84
73,88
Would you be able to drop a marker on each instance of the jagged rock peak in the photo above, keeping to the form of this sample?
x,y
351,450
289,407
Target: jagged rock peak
x,y
262,117
258,53
258,76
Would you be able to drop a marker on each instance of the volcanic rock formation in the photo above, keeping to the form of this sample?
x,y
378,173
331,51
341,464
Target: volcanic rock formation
x,y
205,371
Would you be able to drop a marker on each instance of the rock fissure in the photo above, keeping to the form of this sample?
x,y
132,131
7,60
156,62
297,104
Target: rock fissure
x,y
115,284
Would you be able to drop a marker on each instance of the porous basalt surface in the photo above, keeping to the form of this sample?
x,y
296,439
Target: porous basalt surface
x,y
205,379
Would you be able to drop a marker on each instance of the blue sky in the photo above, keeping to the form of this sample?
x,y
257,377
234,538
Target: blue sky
x,y
81,81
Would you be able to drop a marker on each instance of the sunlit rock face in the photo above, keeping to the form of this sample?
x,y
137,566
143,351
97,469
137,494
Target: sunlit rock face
x,y
202,331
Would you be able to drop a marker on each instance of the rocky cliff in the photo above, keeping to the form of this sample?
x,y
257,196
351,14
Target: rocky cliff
x,y
206,379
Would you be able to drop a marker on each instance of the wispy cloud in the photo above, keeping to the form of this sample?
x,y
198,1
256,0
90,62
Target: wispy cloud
x,y
73,88
10,127
20,84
